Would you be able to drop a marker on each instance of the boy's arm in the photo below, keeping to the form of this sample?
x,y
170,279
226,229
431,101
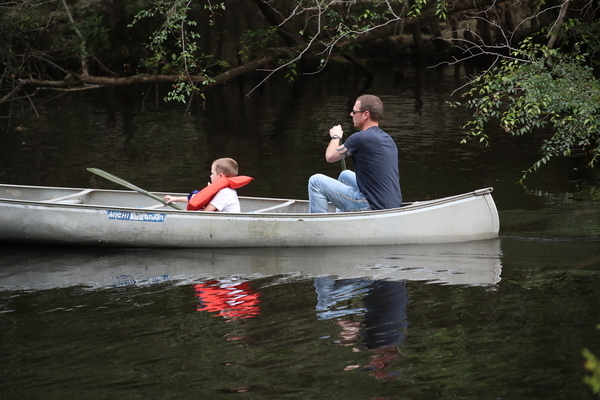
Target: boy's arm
x,y
209,207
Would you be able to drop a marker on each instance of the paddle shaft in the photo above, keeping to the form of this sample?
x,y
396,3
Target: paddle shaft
x,y
123,182
343,160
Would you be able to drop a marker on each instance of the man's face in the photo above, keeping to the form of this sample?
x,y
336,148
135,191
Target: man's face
x,y
357,115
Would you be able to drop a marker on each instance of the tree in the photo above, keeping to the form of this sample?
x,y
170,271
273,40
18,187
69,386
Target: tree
x,y
547,84
538,52
192,43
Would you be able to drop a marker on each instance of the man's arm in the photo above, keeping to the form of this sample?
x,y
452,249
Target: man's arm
x,y
336,150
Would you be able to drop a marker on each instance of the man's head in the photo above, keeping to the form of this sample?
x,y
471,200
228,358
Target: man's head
x,y
367,110
226,167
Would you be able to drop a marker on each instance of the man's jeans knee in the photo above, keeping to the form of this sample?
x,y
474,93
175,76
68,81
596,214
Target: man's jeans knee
x,y
342,192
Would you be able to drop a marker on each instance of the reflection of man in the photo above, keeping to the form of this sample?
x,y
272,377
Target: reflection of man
x,y
384,322
385,317
231,299
330,292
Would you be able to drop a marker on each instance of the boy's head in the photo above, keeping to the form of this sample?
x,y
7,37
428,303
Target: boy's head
x,y
226,166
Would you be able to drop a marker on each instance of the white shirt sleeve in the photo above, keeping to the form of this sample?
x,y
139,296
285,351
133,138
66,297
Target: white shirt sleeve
x,y
226,200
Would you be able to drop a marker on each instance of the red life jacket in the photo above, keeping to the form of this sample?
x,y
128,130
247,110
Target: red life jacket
x,y
201,199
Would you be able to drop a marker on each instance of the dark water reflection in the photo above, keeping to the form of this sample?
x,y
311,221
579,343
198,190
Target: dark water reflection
x,y
292,335
503,319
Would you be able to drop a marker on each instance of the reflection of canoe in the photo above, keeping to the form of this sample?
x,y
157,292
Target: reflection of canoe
x,y
123,218
469,263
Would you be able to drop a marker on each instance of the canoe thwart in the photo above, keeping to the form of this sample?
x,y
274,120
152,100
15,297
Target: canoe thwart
x,y
275,207
64,199
154,207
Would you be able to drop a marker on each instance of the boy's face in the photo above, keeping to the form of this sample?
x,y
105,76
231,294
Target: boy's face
x,y
213,174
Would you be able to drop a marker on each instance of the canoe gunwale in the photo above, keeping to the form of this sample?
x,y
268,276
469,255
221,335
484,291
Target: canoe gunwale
x,y
417,205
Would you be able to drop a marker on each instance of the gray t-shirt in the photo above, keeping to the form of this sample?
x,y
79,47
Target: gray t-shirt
x,y
375,157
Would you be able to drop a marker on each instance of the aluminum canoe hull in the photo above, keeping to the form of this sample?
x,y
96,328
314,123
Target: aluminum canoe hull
x,y
116,218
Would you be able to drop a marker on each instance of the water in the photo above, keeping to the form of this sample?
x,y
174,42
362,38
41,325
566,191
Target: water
x,y
501,319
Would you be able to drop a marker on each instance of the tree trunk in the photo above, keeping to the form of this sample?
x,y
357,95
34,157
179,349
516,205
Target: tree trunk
x,y
436,31
82,53
228,35
563,12
417,39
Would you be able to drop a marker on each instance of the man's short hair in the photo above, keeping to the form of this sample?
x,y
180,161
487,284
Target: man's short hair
x,y
372,104
226,166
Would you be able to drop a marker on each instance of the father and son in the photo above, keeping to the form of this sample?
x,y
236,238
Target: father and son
x,y
374,186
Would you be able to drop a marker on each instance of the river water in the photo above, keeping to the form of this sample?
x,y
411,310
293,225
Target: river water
x,y
499,319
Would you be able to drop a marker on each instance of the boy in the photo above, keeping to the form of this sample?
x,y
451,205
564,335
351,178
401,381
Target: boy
x,y
220,194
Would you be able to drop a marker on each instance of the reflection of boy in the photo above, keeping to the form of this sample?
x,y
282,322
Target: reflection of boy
x,y
232,300
220,194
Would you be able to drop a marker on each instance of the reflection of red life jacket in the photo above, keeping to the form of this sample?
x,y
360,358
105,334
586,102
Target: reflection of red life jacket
x,y
201,199
229,301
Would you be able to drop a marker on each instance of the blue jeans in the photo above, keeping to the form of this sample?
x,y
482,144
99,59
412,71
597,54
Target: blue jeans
x,y
343,193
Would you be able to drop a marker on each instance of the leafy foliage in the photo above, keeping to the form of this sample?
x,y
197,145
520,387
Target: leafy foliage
x,y
258,40
539,87
592,365
173,45
418,6
95,38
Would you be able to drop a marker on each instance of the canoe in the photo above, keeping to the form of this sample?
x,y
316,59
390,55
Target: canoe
x,y
24,267
120,218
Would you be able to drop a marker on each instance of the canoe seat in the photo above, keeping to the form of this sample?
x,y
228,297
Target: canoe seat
x,y
275,207
69,199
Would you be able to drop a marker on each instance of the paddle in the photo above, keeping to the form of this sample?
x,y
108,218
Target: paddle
x,y
343,161
131,186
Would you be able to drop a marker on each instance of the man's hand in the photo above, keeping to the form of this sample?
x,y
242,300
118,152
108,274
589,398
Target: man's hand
x,y
336,150
336,131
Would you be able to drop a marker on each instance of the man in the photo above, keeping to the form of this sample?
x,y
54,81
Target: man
x,y
376,183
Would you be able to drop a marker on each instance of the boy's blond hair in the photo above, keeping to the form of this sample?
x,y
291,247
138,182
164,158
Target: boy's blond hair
x,y
226,166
